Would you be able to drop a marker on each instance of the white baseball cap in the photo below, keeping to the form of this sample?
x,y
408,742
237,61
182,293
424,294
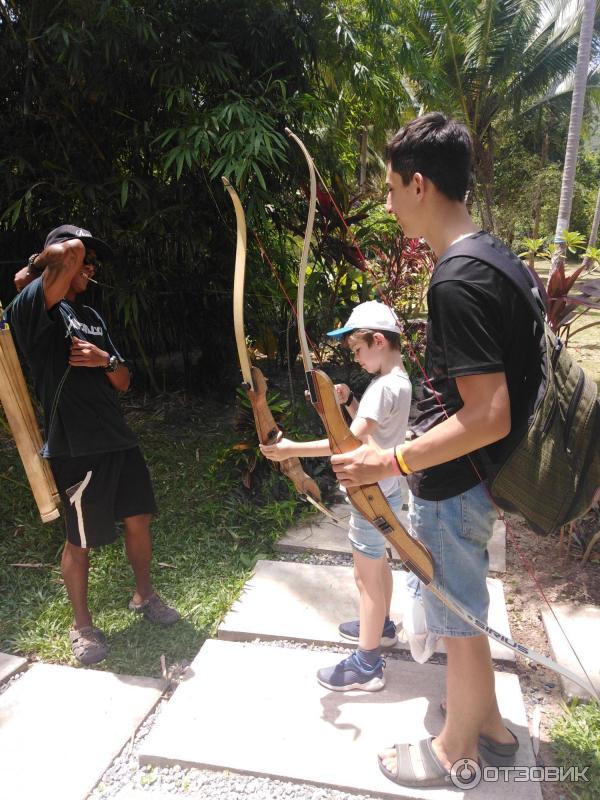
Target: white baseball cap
x,y
372,315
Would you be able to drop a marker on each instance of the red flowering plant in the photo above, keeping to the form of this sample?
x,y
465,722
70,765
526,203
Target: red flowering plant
x,y
563,307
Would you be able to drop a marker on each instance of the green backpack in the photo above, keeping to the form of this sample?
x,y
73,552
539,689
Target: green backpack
x,y
552,474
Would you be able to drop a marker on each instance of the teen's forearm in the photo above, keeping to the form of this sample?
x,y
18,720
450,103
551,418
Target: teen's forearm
x,y
462,433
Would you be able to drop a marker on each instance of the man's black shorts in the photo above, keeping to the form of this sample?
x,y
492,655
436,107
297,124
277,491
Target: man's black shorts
x,y
98,490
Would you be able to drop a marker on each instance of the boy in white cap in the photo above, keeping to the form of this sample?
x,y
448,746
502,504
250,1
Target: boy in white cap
x,y
372,333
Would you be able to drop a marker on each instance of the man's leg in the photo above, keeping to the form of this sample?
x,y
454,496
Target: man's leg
x,y
138,546
75,566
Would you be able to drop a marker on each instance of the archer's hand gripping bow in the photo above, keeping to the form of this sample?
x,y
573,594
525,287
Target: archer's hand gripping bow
x,y
369,499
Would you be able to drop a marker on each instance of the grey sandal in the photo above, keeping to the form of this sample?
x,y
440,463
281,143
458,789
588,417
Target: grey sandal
x,y
416,765
495,753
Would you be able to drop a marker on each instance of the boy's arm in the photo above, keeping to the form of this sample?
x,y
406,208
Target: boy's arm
x,y
58,265
483,419
286,448
363,427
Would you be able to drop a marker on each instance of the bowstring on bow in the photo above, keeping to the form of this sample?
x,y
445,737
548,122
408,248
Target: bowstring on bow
x,y
368,499
254,382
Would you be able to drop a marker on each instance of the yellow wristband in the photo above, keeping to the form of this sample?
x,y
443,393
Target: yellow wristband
x,y
404,468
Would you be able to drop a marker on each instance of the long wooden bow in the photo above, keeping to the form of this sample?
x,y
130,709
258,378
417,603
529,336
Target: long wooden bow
x,y
369,499
254,382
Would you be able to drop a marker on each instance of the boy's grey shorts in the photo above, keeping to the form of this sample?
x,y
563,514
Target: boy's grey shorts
x,y
364,537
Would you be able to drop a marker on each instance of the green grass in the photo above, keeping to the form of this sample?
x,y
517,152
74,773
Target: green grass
x,y
576,742
207,537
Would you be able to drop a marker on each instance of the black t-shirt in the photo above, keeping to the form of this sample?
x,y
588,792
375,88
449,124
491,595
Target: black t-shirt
x,y
477,323
83,416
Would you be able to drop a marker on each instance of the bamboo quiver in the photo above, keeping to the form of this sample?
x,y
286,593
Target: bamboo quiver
x,y
22,421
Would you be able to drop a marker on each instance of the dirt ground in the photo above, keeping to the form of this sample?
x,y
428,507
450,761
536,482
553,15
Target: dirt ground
x,y
563,578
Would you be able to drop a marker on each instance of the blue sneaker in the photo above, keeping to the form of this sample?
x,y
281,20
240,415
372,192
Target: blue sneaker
x,y
351,674
351,631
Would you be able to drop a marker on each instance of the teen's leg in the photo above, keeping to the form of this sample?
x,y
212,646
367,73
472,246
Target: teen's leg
x,y
457,531
138,546
370,577
471,703
75,566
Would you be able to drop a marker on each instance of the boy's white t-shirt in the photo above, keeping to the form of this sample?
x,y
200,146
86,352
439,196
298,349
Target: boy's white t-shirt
x,y
387,402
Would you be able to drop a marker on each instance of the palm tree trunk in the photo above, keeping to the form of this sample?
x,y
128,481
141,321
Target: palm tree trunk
x,y
484,172
577,103
587,261
537,208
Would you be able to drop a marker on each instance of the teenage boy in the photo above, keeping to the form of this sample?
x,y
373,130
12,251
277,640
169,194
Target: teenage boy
x,y
480,348
99,470
372,334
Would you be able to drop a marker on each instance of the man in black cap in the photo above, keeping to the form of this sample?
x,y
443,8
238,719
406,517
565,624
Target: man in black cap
x,y
99,470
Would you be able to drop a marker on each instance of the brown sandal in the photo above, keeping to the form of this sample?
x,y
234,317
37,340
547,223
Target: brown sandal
x,y
156,610
88,644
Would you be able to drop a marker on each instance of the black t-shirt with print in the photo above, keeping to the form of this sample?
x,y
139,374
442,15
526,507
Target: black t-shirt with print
x,y
83,416
477,323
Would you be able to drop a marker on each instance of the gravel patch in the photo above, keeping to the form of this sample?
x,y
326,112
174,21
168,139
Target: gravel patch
x,y
329,559
7,684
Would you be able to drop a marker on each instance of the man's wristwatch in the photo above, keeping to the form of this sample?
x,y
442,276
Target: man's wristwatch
x,y
113,363
350,400
31,266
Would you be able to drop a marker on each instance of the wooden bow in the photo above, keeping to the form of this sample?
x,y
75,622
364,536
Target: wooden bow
x,y
369,499
254,382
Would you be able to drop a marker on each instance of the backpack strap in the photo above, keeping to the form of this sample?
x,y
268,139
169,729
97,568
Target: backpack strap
x,y
493,253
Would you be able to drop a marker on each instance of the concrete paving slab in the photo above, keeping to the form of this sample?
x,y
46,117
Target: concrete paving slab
x,y
581,625
321,535
60,727
307,602
258,709
10,665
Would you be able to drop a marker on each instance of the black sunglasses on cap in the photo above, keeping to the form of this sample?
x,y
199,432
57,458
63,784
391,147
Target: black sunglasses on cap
x,y
91,261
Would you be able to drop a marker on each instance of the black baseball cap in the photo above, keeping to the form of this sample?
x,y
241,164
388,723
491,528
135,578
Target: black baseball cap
x,y
65,232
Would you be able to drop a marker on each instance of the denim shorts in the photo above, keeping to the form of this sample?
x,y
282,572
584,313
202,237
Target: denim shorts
x,y
364,536
457,532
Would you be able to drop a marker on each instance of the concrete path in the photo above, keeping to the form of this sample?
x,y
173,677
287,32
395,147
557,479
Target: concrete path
x,y
10,665
259,709
321,535
581,625
60,727
306,602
